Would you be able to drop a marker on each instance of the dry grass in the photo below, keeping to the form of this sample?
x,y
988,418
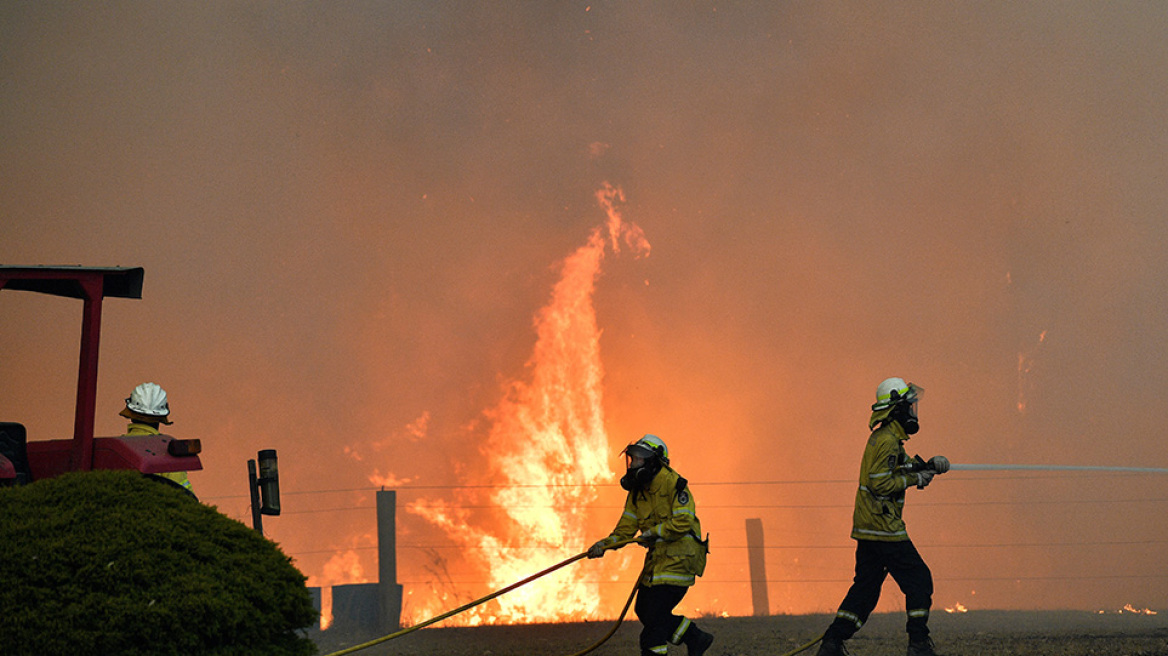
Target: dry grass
x,y
983,633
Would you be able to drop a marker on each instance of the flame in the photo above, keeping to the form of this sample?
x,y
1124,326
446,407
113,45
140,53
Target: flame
x,y
387,480
1023,369
1128,608
326,607
1025,365
342,569
957,608
414,432
547,450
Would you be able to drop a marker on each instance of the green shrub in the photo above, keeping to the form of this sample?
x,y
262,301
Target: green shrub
x,y
115,563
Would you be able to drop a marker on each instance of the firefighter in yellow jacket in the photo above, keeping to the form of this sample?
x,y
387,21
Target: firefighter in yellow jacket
x,y
146,408
661,509
882,543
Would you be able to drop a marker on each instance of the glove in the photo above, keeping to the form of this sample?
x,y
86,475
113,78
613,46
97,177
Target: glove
x,y
647,538
597,550
940,464
923,479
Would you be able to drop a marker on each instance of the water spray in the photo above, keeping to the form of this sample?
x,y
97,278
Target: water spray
x,y
918,464
1094,468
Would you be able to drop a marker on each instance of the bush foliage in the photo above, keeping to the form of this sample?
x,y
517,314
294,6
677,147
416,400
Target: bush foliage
x,y
111,562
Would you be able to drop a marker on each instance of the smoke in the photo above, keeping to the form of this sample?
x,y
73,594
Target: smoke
x,y
348,217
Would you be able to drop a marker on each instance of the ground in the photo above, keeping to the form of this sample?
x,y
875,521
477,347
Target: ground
x,y
977,633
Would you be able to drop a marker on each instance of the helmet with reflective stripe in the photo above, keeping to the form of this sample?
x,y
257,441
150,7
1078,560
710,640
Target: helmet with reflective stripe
x,y
650,446
894,390
147,403
890,393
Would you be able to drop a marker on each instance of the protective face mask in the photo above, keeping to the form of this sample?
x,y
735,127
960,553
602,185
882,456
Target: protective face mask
x,y
636,478
907,418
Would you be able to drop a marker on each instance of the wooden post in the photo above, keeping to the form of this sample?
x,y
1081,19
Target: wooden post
x,y
756,553
390,591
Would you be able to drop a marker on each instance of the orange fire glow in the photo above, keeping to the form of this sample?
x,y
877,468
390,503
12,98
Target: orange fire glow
x,y
344,567
1025,366
1128,608
547,450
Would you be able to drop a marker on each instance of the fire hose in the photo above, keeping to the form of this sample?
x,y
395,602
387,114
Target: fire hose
x,y
501,592
804,647
917,464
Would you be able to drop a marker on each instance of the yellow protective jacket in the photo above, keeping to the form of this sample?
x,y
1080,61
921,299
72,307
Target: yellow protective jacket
x,y
665,511
883,481
136,428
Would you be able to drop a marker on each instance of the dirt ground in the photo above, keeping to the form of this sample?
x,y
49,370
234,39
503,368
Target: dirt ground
x,y
977,633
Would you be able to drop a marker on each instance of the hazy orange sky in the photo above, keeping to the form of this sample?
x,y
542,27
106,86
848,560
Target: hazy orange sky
x,y
349,215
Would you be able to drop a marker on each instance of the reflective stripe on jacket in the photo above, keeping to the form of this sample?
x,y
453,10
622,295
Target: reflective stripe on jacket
x,y
146,429
668,514
880,497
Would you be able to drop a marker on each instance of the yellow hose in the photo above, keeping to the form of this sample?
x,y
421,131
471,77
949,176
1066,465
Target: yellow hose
x,y
804,647
621,618
491,596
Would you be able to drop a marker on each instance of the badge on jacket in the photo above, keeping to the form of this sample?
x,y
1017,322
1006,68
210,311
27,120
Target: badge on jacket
x,y
683,497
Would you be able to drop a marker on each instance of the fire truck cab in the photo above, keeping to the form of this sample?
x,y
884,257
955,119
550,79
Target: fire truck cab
x,y
23,461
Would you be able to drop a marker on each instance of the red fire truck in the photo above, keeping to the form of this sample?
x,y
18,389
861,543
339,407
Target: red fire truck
x,y
24,461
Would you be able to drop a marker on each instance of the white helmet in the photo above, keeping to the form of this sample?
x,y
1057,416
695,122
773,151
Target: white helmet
x,y
894,390
147,401
649,446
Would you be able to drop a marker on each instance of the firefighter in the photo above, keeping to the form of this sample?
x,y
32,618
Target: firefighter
x,y
146,408
660,507
882,543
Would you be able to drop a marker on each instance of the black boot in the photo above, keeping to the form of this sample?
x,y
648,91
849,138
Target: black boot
x,y
697,641
921,647
832,647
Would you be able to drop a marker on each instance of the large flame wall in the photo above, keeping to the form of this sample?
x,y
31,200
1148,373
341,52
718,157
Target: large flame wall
x,y
547,449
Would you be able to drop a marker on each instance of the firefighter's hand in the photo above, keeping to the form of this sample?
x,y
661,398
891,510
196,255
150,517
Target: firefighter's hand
x,y
940,464
923,479
647,538
597,550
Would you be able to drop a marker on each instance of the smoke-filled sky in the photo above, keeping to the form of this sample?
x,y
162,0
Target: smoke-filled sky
x,y
349,215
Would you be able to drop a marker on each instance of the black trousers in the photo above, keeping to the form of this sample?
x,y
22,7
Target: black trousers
x,y
654,607
874,562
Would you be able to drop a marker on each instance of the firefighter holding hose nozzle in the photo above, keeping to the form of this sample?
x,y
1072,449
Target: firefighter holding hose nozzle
x,y
882,543
660,507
